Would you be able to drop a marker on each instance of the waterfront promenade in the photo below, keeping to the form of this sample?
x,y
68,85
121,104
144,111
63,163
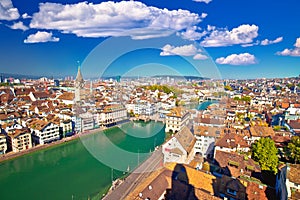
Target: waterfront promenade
x,y
154,162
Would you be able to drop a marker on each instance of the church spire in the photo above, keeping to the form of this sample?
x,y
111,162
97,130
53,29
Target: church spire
x,y
79,84
79,78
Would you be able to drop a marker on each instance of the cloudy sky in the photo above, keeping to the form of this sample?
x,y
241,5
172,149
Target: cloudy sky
x,y
244,39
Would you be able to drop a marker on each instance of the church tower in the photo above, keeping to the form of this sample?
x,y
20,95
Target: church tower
x,y
79,83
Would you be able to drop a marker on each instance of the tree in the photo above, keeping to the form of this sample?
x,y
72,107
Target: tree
x,y
246,98
228,87
265,152
236,98
293,149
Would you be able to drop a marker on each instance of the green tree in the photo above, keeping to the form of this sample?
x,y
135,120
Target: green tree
x,y
131,113
228,87
265,152
293,149
277,128
246,98
236,98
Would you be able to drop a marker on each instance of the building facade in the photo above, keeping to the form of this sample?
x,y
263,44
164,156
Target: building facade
x,y
180,148
3,144
44,132
19,139
111,115
176,119
206,137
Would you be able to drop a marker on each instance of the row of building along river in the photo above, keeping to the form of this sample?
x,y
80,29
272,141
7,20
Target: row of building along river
x,y
83,168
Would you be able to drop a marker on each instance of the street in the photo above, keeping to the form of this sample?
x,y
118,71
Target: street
x,y
154,162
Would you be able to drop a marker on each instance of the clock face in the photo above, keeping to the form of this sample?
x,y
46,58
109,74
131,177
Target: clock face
x,y
80,84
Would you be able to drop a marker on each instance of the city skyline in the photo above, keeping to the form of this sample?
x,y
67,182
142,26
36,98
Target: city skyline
x,y
232,39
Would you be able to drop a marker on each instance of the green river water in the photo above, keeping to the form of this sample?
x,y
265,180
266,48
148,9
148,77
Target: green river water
x,y
80,169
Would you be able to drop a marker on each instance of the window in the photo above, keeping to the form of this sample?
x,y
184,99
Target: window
x,y
230,191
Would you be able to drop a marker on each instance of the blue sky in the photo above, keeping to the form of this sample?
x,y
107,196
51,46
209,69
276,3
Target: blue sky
x,y
226,39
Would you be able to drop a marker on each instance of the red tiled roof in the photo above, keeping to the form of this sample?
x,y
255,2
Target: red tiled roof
x,y
261,131
294,124
294,173
255,191
67,96
41,95
232,140
237,164
285,105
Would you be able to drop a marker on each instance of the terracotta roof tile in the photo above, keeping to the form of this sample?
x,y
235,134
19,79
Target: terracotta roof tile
x,y
255,191
232,140
261,131
294,173
186,139
67,96
236,164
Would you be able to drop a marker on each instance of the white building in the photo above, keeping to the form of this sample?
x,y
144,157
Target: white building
x,y
180,148
177,119
3,144
87,122
112,114
43,132
206,137
66,127
144,108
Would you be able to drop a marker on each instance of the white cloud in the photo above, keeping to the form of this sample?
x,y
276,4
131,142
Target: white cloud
x,y
7,10
237,59
41,36
244,34
291,52
192,33
257,42
19,25
125,18
264,42
203,15
268,42
185,50
25,16
211,28
205,1
200,56
297,44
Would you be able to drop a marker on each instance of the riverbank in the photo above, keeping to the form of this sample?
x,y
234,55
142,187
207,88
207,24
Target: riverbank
x,y
12,155
86,163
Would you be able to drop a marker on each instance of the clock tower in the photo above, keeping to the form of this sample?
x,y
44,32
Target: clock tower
x,y
79,83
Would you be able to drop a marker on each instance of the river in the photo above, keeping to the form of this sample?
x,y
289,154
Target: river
x,y
80,169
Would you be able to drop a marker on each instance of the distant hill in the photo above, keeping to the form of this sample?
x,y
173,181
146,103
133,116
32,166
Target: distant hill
x,y
19,76
182,77
158,76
